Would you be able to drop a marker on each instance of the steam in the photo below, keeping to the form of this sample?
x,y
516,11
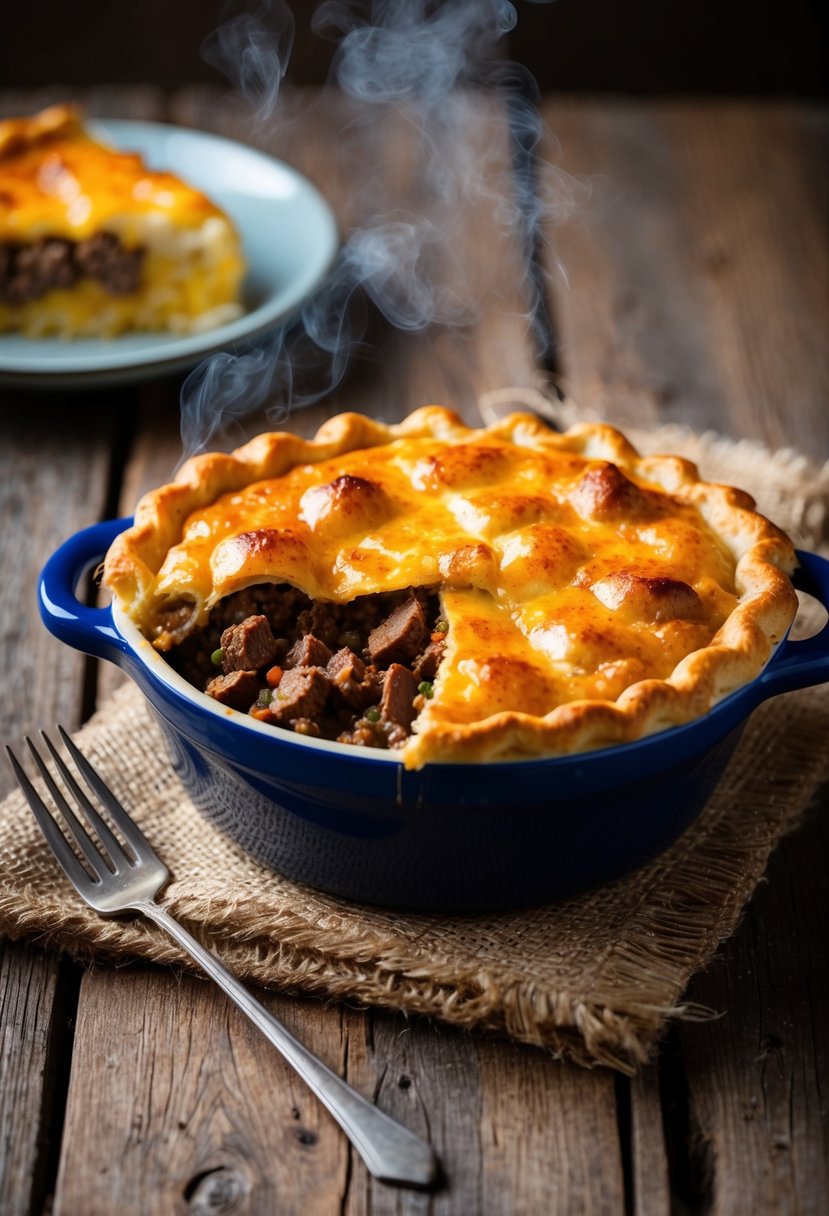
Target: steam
x,y
414,51
419,64
252,50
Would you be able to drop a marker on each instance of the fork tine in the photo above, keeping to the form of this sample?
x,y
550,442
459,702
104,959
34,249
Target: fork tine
x,y
98,861
118,856
56,840
129,829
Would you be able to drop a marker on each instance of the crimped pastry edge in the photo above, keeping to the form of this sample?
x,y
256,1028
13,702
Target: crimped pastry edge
x,y
764,560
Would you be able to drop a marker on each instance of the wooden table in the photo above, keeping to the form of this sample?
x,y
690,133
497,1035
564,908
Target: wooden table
x,y
697,264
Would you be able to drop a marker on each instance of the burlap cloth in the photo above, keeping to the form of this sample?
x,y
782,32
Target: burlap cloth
x,y
593,979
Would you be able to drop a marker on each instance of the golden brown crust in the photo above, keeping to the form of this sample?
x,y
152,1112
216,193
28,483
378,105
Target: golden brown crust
x,y
51,123
593,596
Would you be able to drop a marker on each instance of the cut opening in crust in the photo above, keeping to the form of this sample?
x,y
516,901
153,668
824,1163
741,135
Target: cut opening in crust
x,y
356,673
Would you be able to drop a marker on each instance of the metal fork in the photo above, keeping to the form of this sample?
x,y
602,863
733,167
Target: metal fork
x,y
115,879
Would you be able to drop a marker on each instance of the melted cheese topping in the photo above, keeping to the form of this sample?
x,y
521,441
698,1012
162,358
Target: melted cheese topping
x,y
58,181
591,595
548,600
67,184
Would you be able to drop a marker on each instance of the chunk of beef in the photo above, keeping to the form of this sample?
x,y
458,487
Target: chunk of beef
x,y
248,646
400,636
238,689
302,693
396,703
426,667
308,651
352,682
346,665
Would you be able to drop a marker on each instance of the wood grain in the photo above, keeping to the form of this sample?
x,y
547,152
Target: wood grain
x,y
177,1105
698,266
649,1174
55,467
53,480
37,994
551,1142
758,1077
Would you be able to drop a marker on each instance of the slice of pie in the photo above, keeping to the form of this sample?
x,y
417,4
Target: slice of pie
x,y
460,594
93,243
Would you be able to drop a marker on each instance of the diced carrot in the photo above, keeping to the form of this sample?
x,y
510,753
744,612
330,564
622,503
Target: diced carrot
x,y
274,675
261,715
438,636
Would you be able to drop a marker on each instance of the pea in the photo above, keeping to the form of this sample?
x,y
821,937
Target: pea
x,y
217,657
425,687
372,714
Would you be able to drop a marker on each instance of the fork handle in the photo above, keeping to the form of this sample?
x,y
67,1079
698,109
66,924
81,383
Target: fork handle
x,y
391,1152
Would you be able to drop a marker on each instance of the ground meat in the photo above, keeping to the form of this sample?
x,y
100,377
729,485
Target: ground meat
x,y
302,693
248,646
306,726
399,691
308,651
400,636
365,734
29,271
104,258
32,270
239,689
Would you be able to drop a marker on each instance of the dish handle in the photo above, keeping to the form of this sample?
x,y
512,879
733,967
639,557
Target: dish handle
x,y
68,618
800,664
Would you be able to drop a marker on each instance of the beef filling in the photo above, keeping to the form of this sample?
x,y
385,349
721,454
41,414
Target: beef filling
x,y
29,271
356,672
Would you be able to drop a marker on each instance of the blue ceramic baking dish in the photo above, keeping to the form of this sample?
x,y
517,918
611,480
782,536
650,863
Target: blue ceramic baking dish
x,y
451,837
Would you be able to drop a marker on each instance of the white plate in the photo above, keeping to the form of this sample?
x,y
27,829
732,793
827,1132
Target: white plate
x,y
290,240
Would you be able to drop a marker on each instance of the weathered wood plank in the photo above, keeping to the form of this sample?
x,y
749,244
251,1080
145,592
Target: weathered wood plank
x,y
177,1105
54,473
698,267
650,1182
104,101
427,1078
54,476
36,1005
550,1137
54,468
758,1077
